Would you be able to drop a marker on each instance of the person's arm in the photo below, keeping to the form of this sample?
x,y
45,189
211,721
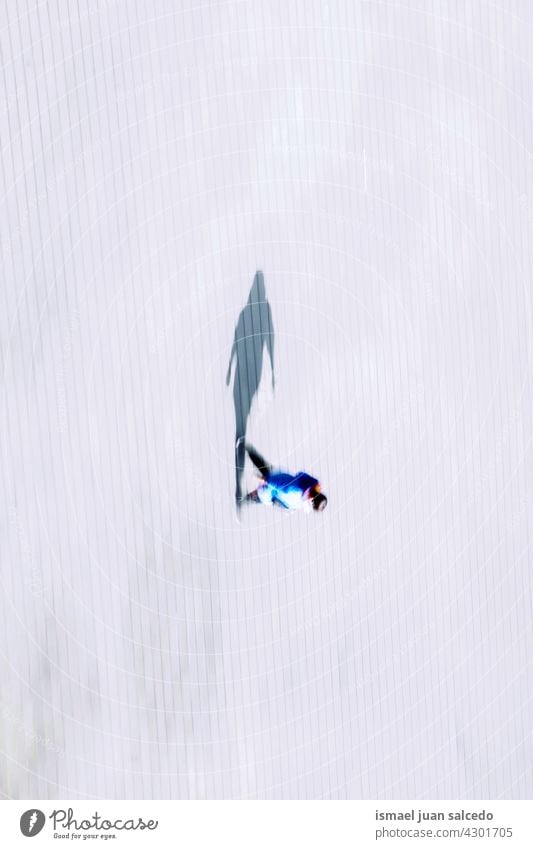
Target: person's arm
x,y
231,356
270,344
265,494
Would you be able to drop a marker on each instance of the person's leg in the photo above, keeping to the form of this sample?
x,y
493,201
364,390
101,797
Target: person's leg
x,y
240,455
259,462
252,496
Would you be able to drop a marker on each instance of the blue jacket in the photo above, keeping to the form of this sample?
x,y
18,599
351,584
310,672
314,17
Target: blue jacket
x,y
285,489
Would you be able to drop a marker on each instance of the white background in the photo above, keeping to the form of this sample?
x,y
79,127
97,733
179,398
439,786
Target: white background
x,y
374,160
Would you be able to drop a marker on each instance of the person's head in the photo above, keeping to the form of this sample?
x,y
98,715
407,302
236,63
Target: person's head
x,y
318,499
257,292
319,502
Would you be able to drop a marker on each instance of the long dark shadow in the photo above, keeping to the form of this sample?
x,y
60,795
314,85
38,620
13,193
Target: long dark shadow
x,y
254,331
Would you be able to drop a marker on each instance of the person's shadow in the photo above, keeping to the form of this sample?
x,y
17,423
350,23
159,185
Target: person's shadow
x,y
254,330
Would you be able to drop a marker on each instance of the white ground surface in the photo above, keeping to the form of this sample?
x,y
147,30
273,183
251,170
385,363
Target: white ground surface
x,y
374,159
